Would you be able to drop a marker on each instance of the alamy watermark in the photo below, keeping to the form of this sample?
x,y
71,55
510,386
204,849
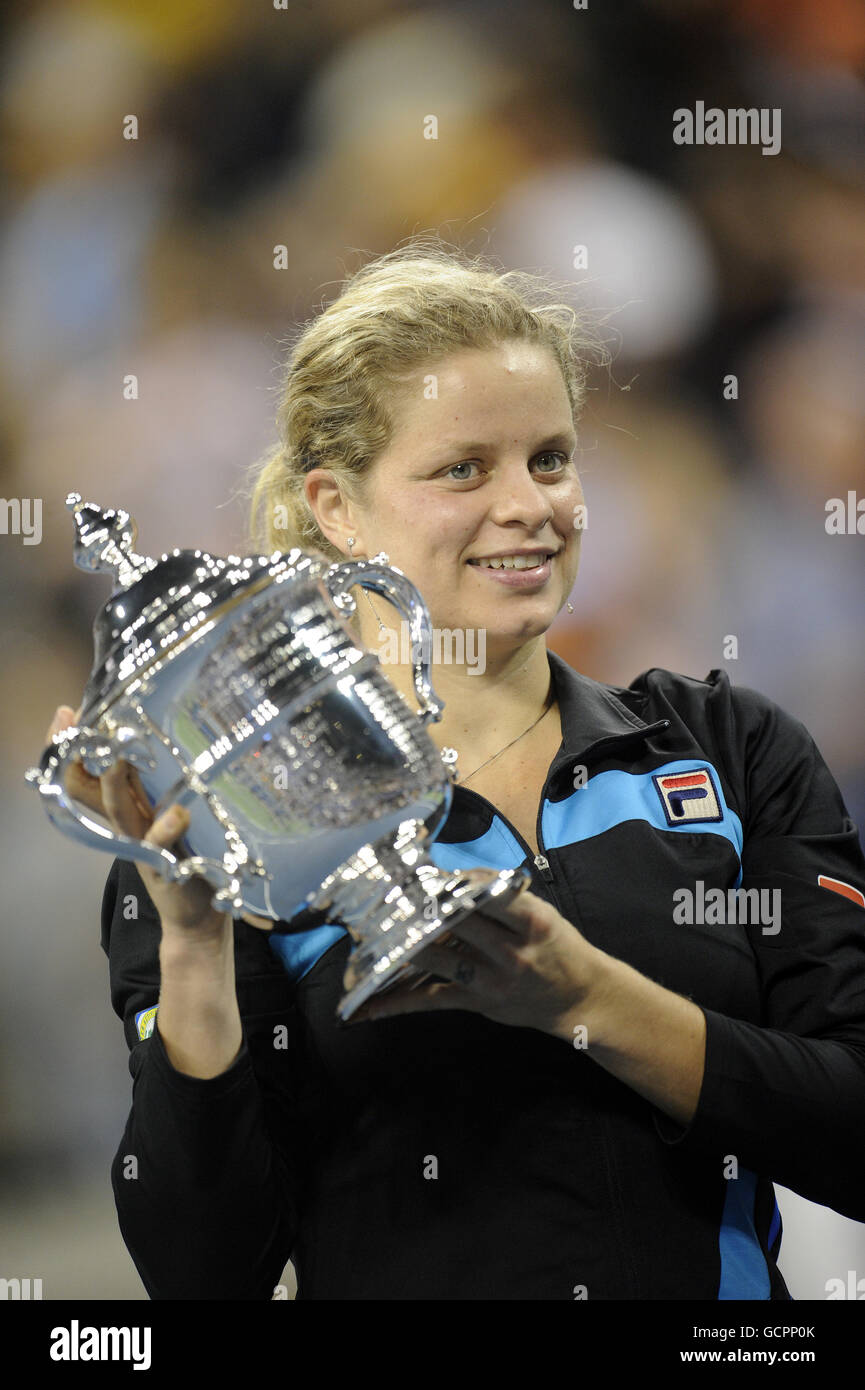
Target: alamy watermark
x,y
845,517
21,516
77,1343
852,1287
735,126
459,646
20,1289
716,907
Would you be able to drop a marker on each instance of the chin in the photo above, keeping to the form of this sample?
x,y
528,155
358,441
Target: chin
x,y
519,632
533,616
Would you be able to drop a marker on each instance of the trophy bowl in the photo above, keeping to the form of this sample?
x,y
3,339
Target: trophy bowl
x,y
235,687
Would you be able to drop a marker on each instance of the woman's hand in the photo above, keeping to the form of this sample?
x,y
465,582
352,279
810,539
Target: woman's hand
x,y
522,965
184,908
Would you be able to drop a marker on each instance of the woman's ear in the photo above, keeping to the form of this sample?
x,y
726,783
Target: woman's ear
x,y
330,508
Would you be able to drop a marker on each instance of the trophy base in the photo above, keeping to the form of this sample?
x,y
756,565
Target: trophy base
x,y
393,900
377,965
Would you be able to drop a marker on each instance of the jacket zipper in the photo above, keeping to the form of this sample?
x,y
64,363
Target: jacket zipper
x,y
540,860
542,863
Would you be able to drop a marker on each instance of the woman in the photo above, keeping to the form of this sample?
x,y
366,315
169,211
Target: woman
x,y
591,1092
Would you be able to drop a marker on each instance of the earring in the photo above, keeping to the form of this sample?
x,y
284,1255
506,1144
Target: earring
x,y
570,606
373,607
350,542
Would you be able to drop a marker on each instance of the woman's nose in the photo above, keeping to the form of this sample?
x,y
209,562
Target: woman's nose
x,y
522,499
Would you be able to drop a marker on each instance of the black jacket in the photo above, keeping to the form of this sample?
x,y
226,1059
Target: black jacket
x,y
554,1179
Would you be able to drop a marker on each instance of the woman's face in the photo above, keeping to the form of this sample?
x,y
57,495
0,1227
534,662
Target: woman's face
x,y
480,467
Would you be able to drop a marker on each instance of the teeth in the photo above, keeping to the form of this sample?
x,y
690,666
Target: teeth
x,y
513,562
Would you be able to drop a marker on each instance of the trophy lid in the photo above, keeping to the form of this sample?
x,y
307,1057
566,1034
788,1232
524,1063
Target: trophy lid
x,y
156,604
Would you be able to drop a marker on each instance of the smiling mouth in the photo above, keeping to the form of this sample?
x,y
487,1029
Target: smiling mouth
x,y
514,562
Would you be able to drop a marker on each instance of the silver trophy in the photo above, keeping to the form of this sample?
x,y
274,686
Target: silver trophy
x,y
235,687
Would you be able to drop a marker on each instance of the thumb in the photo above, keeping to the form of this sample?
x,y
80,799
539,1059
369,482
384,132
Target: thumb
x,y
168,827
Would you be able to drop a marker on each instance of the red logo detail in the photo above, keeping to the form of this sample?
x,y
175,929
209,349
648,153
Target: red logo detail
x,y
845,889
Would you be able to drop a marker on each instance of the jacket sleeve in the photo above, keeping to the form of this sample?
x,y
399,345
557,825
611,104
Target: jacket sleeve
x,y
787,1097
204,1177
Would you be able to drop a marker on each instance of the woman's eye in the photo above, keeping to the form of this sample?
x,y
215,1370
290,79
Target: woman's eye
x,y
559,460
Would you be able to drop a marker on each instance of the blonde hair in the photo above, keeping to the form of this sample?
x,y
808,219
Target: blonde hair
x,y
397,313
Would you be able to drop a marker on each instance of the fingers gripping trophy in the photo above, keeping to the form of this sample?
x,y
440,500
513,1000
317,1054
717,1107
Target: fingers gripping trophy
x,y
234,688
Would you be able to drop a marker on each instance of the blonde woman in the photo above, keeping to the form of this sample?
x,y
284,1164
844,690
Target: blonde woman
x,y
592,1095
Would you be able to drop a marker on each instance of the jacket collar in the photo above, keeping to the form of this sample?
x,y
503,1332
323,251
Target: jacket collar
x,y
591,713
591,716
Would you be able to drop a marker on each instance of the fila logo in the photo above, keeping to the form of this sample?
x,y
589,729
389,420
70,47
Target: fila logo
x,y
688,796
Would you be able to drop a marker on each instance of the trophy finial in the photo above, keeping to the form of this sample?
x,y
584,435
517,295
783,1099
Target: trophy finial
x,y
104,538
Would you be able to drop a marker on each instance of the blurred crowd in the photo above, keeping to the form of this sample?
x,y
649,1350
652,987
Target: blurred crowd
x,y
732,283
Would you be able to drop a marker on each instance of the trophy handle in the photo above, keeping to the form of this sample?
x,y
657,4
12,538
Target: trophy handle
x,y
392,584
98,752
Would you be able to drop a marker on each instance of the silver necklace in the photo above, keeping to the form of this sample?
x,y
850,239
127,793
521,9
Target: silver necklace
x,y
450,755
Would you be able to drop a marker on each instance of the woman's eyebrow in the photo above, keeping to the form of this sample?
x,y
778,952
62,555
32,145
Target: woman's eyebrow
x,y
565,437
